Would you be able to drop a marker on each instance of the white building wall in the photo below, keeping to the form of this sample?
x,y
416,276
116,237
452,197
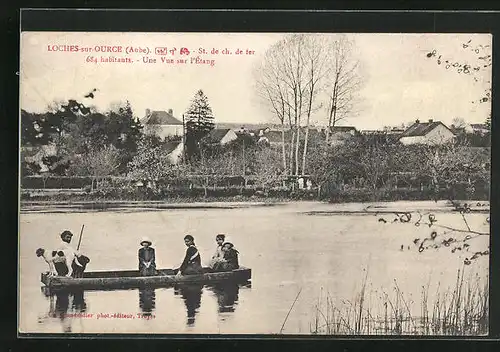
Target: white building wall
x,y
175,156
229,137
163,131
439,135
170,130
412,140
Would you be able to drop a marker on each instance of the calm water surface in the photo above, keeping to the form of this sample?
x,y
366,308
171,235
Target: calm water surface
x,y
288,249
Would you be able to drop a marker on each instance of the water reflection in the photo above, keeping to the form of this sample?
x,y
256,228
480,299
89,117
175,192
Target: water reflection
x,y
191,294
147,301
227,296
65,306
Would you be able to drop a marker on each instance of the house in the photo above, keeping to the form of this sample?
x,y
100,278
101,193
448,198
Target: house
x,y
431,132
162,123
274,138
350,130
220,136
479,128
174,151
36,154
242,126
341,134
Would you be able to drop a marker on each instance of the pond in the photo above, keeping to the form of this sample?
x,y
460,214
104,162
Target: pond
x,y
299,253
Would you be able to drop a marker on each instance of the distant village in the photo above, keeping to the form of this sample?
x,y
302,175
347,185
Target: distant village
x,y
412,160
166,126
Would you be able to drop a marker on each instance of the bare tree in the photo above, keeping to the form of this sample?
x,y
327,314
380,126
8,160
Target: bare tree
x,y
458,122
318,67
272,92
343,82
290,79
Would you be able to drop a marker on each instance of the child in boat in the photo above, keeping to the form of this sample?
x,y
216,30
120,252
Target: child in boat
x,y
230,257
147,258
192,261
219,253
230,260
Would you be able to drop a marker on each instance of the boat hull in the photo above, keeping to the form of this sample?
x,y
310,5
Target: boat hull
x,y
131,279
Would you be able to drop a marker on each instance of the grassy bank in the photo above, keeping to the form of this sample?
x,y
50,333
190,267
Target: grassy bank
x,y
225,194
460,310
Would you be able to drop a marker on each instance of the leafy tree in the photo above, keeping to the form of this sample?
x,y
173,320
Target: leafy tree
x,y
199,122
123,132
267,166
29,168
77,130
150,163
99,162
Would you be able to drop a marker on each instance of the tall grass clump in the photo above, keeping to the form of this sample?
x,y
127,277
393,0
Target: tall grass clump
x,y
460,310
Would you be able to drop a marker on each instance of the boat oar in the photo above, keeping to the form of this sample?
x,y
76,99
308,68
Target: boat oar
x,y
80,239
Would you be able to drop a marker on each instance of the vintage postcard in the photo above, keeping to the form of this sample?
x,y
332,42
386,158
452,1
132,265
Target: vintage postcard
x,y
254,183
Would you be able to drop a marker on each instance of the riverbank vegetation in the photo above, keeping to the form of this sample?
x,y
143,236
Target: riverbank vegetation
x,y
461,310
115,154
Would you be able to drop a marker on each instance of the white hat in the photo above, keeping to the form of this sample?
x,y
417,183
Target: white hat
x,y
227,240
145,239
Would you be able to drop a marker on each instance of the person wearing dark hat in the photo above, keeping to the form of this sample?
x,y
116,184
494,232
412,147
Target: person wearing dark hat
x,y
192,260
147,258
230,257
219,253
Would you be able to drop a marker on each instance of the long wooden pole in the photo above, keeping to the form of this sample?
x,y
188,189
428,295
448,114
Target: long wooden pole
x,y
80,239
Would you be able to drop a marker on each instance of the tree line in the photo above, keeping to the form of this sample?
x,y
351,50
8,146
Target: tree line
x,y
302,79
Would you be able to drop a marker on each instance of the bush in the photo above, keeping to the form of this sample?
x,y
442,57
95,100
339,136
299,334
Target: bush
x,y
54,182
408,194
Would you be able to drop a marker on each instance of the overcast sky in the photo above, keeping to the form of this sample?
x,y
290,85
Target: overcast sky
x,y
400,83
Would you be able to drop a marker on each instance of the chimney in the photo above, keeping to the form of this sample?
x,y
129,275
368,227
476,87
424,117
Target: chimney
x,y
148,112
171,112
431,120
417,121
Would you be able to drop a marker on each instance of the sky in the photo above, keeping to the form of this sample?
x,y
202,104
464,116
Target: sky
x,y
400,84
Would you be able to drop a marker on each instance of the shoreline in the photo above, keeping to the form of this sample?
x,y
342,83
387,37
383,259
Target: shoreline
x,y
326,207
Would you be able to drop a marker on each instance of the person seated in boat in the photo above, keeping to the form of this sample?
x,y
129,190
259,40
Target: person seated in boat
x,y
230,260
147,258
49,259
68,258
192,260
219,253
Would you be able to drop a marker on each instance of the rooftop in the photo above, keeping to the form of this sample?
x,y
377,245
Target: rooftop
x,y
160,118
421,128
216,135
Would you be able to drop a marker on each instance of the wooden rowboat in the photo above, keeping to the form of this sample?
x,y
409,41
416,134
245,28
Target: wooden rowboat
x,y
103,280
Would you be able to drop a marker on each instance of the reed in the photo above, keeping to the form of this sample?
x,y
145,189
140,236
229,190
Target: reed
x,y
459,311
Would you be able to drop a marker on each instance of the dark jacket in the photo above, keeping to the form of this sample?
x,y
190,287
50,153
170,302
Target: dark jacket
x,y
231,257
147,255
192,260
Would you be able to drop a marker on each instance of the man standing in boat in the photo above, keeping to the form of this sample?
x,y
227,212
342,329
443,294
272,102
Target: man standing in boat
x,y
147,258
192,261
69,256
